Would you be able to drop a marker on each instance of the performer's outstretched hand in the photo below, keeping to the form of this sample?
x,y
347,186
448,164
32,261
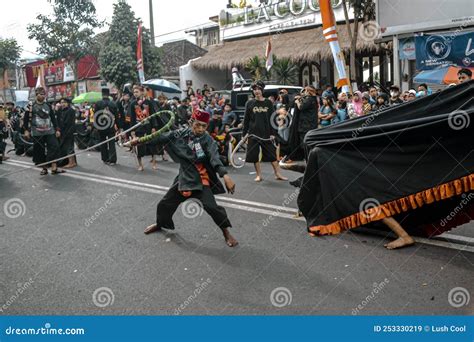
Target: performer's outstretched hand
x,y
131,143
229,184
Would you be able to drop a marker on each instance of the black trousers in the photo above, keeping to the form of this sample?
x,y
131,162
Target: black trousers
x,y
45,148
207,202
107,151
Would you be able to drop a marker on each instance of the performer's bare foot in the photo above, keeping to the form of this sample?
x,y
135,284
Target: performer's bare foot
x,y
400,242
280,177
141,168
403,238
258,179
229,239
151,229
69,166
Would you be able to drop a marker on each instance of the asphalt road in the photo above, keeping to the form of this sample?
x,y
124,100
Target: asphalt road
x,y
74,245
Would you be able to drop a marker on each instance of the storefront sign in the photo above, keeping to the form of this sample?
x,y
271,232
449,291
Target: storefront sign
x,y
56,92
58,73
433,51
276,17
281,9
407,49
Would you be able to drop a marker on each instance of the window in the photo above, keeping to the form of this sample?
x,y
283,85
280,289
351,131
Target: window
x,y
242,99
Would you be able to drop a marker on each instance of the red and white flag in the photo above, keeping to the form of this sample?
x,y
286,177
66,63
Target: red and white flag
x,y
269,55
40,80
140,68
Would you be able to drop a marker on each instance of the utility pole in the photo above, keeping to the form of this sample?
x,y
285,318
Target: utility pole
x,y
152,25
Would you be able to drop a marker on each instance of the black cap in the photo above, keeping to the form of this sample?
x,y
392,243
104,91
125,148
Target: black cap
x,y
105,92
257,84
395,87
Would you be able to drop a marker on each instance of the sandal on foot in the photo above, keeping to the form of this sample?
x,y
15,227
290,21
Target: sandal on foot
x,y
44,172
57,171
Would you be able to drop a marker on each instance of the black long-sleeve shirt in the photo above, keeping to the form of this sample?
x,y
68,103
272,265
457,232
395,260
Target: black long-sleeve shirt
x,y
67,121
257,119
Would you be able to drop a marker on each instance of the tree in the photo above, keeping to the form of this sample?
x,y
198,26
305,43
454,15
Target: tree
x,y
284,71
117,57
68,33
364,10
9,54
256,67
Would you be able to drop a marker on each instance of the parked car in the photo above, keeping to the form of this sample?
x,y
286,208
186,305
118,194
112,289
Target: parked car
x,y
240,96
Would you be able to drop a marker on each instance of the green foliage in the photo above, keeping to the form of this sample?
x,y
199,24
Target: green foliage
x,y
363,9
256,67
284,71
68,32
117,56
9,53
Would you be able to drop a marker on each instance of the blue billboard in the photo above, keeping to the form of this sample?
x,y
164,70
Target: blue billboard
x,y
436,50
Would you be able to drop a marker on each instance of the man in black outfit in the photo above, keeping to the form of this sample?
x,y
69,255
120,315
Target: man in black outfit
x,y
44,131
66,117
105,120
200,166
257,122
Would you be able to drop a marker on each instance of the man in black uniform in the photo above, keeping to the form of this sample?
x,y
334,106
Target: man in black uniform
x,y
44,131
257,122
198,156
105,120
66,117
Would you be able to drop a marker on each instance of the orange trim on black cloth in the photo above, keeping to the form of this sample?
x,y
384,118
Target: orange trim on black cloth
x,y
412,202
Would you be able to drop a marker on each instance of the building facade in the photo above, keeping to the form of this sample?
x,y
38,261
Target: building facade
x,y
430,39
295,31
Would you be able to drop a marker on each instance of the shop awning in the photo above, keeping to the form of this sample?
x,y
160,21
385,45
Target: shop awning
x,y
443,75
299,46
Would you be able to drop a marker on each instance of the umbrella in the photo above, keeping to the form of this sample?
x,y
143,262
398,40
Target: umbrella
x,y
442,75
162,85
91,97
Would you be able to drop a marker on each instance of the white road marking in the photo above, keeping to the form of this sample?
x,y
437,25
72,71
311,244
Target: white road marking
x,y
165,188
224,201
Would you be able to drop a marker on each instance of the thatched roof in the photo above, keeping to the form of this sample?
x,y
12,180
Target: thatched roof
x,y
303,45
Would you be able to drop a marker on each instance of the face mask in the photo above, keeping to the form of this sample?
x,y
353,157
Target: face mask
x,y
394,94
421,93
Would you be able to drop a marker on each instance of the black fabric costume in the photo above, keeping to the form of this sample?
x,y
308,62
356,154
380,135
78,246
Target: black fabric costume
x,y
415,161
67,125
43,128
257,121
106,117
187,149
